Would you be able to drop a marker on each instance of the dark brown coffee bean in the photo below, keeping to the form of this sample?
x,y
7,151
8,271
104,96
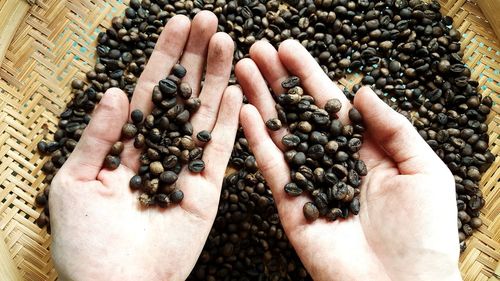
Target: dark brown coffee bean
x,y
290,141
168,177
333,214
355,116
193,104
292,189
333,106
168,87
196,166
311,212
176,196
136,182
41,199
179,71
162,200
129,131
137,116
204,136
111,162
185,90
290,82
116,148
273,124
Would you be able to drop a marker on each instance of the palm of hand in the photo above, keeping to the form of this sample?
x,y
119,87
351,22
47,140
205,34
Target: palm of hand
x,y
99,229
103,220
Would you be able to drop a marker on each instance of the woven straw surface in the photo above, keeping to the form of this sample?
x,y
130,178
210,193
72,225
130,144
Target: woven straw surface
x,y
55,44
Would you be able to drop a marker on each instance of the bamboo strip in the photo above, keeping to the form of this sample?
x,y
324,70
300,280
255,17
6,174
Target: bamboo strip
x,y
12,13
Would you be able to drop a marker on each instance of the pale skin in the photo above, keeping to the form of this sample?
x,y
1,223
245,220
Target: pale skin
x,y
406,229
99,230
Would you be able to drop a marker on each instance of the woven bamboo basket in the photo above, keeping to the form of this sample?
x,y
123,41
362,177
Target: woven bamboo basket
x,y
44,44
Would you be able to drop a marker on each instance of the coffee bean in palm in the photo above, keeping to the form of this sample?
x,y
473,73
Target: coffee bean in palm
x,y
290,82
311,212
137,116
129,131
273,124
204,136
196,166
193,104
355,116
292,189
176,196
116,148
333,106
168,87
179,71
290,140
135,182
168,177
185,90
111,162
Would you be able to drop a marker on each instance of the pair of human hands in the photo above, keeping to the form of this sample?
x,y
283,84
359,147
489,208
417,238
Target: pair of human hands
x,y
406,229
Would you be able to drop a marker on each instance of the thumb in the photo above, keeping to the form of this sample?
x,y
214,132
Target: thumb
x,y
395,134
102,132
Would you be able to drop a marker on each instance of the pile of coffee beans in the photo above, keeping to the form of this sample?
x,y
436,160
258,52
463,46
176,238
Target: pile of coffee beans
x,y
165,136
405,49
247,241
322,152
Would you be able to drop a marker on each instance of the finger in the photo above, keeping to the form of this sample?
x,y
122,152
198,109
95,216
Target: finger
x,y
166,54
256,90
218,150
299,62
395,134
204,25
266,58
220,58
271,162
102,132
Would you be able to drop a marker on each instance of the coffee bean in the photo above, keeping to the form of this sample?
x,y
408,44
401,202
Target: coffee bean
x,y
176,196
333,106
355,116
116,148
137,116
311,212
111,162
204,136
185,90
136,182
129,131
273,124
290,82
179,71
196,166
168,87
292,189
290,141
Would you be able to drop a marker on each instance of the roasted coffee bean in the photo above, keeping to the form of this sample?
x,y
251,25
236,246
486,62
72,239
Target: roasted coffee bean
x,y
185,90
136,182
290,82
292,189
355,116
168,87
111,162
179,71
290,141
129,131
204,136
273,124
196,166
311,212
137,116
333,106
116,148
193,104
176,196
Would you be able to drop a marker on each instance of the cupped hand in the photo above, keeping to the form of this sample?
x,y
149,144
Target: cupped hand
x,y
406,228
99,230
